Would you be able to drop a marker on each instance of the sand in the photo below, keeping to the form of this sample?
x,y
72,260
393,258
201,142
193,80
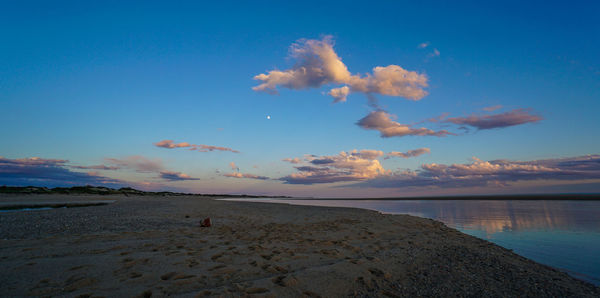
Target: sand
x,y
153,246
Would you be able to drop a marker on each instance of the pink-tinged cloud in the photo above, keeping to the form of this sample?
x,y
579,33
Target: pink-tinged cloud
x,y
368,154
248,176
495,172
176,176
317,64
408,154
138,163
510,118
437,119
382,122
391,80
97,167
48,172
295,160
339,94
492,108
33,161
346,166
169,144
206,148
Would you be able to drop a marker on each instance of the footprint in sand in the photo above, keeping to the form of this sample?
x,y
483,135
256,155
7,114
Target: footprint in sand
x,y
192,263
216,267
183,276
145,294
168,276
256,290
285,281
217,256
76,282
267,257
134,275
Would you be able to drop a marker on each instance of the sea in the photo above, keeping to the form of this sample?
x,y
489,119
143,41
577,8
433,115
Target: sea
x,y
564,234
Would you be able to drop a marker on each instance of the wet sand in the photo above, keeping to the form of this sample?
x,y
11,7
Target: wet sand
x,y
153,246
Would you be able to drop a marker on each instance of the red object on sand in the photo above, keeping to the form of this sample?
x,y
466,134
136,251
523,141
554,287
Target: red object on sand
x,y
206,223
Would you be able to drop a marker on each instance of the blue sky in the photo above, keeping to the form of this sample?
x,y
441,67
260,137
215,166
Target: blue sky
x,y
94,82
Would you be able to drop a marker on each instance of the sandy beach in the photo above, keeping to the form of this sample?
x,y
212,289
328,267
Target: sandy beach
x,y
153,246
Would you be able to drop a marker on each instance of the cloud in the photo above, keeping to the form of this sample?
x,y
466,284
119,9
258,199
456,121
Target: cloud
x,y
176,176
437,119
233,166
364,168
495,172
206,148
339,94
47,172
435,53
382,122
97,167
169,144
317,64
33,161
391,80
492,108
322,161
407,154
367,154
249,176
510,118
346,166
293,160
138,163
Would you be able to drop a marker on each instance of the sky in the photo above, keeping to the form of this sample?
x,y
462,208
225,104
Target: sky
x,y
309,99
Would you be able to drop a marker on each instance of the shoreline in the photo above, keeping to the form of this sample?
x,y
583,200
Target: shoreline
x,y
152,245
521,197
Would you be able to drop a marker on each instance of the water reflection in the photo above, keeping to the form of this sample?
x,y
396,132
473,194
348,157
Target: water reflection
x,y
488,216
504,216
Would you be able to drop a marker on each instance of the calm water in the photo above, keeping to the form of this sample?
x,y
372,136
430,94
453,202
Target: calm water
x,y
562,234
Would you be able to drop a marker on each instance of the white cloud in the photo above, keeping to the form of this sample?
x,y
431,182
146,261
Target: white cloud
x,y
346,166
317,64
339,94
391,80
495,172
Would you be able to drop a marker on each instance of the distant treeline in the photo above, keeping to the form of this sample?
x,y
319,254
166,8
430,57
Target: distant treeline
x,y
101,190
